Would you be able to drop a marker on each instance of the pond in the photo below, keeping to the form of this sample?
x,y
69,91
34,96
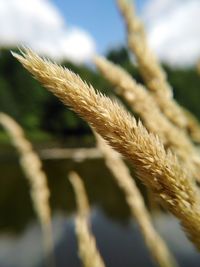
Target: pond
x,y
117,234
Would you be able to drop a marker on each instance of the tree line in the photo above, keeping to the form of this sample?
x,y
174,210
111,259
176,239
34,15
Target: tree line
x,y
37,110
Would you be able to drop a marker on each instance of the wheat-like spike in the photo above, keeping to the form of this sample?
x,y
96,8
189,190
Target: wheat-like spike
x,y
36,177
142,102
152,72
87,245
158,169
121,174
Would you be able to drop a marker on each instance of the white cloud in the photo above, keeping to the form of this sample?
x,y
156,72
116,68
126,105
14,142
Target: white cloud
x,y
39,25
174,30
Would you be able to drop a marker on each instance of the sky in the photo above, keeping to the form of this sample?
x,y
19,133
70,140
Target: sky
x,y
100,18
77,29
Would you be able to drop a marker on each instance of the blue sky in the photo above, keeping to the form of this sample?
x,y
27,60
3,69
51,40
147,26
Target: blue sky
x,y
76,29
100,18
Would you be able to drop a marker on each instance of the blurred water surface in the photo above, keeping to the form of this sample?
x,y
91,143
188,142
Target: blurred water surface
x,y
118,236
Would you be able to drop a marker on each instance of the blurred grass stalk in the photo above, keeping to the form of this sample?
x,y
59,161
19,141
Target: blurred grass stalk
x,y
37,179
122,176
88,251
153,74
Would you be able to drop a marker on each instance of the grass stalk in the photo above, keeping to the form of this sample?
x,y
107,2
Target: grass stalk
x,y
157,168
142,102
88,252
32,167
152,72
122,176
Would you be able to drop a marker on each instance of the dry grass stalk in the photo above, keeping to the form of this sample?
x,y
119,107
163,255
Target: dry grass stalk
x,y
37,179
198,66
152,71
121,174
87,246
142,102
158,169
80,194
193,126
133,23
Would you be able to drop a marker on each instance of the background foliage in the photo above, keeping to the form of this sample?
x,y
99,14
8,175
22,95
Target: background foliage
x,y
38,111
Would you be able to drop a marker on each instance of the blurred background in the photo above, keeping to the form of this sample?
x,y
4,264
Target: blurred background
x,y
71,33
